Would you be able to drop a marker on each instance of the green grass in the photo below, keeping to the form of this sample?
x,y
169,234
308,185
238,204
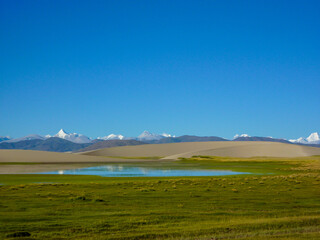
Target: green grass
x,y
282,205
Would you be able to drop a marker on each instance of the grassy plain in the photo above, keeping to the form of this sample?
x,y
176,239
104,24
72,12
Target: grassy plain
x,y
280,200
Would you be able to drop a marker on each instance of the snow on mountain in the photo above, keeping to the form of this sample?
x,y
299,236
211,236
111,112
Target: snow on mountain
x,y
147,136
29,137
112,137
242,135
61,134
167,135
314,138
4,138
72,137
299,140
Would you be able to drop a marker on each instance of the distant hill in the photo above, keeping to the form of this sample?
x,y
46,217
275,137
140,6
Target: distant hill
x,y
25,144
25,138
310,145
97,140
52,144
111,143
261,139
165,140
187,138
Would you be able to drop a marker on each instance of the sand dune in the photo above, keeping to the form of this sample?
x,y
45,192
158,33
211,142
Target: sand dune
x,y
254,150
17,156
42,157
167,151
151,150
232,149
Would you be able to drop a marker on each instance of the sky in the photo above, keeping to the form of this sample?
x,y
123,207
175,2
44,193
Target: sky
x,y
207,68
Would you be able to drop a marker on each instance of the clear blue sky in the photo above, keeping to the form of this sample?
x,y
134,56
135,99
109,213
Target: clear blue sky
x,y
182,67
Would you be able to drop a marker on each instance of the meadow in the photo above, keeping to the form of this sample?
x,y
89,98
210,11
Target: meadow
x,y
279,200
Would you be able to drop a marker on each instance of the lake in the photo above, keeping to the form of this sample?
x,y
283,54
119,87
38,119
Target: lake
x,y
133,171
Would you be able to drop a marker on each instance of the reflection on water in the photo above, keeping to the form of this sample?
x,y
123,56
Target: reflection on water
x,y
133,171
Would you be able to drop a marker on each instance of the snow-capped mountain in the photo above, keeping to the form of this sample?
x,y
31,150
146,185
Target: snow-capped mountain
x,y
314,138
167,135
112,137
72,137
4,138
147,136
242,135
299,140
29,137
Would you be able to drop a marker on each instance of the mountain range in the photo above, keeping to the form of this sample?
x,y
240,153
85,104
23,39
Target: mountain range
x,y
147,136
52,144
144,136
260,139
112,137
25,138
314,138
72,137
64,142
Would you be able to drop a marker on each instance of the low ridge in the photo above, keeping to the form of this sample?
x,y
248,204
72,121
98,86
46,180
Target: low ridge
x,y
111,143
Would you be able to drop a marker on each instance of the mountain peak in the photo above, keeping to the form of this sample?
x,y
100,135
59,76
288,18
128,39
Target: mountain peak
x,y
113,137
4,136
73,137
242,135
146,135
167,135
313,137
62,133
145,132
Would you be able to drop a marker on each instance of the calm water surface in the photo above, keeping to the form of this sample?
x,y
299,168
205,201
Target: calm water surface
x,y
133,171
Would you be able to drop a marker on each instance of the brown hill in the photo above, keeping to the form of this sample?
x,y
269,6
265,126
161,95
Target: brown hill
x,y
226,148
